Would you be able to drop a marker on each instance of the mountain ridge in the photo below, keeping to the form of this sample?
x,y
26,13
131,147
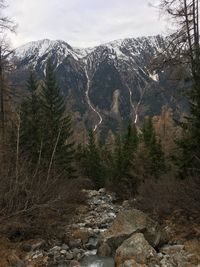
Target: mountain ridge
x,y
110,84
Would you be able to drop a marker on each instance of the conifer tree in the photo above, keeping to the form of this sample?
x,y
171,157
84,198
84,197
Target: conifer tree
x,y
123,160
118,160
92,162
130,142
156,155
31,138
58,147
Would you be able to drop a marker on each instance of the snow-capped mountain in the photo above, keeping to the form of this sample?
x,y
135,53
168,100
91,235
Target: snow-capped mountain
x,y
109,83
35,51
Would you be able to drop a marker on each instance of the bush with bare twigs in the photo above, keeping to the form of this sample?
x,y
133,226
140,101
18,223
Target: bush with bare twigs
x,y
163,196
29,190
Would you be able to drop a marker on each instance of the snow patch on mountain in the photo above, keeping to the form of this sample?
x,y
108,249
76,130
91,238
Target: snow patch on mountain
x,y
45,48
154,76
129,49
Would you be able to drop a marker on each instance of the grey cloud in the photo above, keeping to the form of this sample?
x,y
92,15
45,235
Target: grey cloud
x,y
83,22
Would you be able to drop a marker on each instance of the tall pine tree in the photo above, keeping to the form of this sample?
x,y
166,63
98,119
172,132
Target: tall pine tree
x,y
153,144
30,139
92,163
58,147
123,169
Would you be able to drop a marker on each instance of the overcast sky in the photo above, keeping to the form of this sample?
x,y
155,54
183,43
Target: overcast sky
x,y
83,23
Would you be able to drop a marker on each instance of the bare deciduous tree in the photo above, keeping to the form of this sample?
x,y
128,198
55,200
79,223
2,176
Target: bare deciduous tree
x,y
184,42
185,14
6,24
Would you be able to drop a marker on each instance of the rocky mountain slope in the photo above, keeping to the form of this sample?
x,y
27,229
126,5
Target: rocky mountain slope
x,y
107,85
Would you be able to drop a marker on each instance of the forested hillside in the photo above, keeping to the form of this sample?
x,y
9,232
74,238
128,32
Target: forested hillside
x,y
109,85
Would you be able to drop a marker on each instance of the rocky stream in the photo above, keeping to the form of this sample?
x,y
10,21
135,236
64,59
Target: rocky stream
x,y
109,234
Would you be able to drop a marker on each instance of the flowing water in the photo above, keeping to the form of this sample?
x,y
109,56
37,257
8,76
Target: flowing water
x,y
95,261
90,103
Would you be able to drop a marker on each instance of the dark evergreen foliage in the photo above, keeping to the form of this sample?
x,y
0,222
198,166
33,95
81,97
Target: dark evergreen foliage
x,y
30,113
153,144
124,160
113,166
123,154
57,131
46,134
92,163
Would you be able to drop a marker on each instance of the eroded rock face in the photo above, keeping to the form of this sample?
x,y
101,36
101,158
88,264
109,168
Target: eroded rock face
x,y
127,223
137,249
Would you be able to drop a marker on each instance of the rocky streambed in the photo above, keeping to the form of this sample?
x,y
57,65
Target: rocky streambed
x,y
107,234
80,245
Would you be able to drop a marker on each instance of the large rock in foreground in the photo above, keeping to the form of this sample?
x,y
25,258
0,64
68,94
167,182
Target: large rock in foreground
x,y
134,252
126,224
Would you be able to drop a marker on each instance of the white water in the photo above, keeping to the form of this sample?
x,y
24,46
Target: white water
x,y
135,108
89,102
132,104
96,264
142,93
95,261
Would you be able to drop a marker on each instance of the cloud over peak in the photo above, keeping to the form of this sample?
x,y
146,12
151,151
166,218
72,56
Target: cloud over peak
x,y
83,23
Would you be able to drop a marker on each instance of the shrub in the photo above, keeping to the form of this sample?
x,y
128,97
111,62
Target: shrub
x,y
163,196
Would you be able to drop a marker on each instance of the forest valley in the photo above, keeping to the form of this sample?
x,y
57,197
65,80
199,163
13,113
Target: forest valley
x,y
44,168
